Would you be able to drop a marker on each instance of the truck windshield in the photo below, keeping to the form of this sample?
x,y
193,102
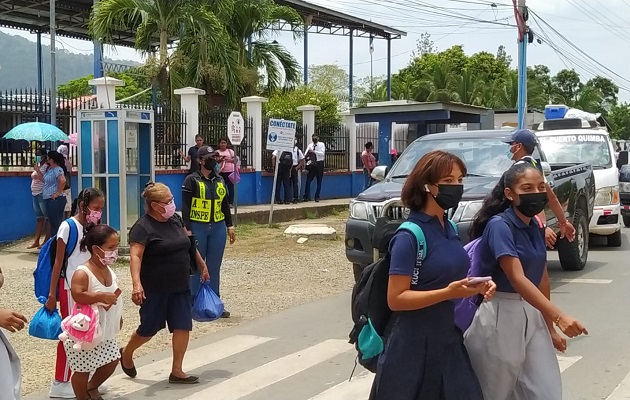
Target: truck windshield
x,y
482,156
577,149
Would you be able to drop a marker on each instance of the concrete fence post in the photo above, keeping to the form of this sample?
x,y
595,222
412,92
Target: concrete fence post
x,y
308,120
254,111
190,105
105,88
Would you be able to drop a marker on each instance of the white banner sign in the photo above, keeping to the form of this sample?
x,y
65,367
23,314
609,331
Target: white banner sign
x,y
281,135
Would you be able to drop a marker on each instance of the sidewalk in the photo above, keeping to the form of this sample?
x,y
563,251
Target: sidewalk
x,y
246,214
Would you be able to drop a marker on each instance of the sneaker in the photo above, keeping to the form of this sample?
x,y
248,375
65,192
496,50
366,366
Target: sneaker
x,y
61,390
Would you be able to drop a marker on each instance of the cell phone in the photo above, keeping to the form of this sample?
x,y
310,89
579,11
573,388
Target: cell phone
x,y
478,280
118,292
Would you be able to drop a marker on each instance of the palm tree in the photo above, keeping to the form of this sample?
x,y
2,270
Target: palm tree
x,y
260,20
438,84
468,88
164,21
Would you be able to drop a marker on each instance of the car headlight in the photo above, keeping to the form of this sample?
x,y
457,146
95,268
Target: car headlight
x,y
467,210
607,196
358,210
624,187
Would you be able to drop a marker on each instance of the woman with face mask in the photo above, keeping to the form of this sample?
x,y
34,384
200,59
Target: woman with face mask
x,y
160,271
86,209
207,215
95,283
512,337
424,357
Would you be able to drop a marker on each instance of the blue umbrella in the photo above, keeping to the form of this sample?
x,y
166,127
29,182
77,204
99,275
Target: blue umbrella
x,y
36,131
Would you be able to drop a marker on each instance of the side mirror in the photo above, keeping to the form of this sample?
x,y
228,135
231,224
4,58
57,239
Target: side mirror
x,y
546,168
622,159
379,172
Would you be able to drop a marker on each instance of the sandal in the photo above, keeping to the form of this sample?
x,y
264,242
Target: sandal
x,y
186,381
130,372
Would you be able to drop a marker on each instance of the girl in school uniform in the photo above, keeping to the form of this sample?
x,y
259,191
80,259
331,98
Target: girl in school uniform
x,y
424,356
512,338
95,283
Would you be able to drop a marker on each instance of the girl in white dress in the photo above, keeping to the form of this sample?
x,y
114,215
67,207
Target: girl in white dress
x,y
95,283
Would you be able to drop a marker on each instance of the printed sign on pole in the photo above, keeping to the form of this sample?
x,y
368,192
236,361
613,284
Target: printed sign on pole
x,y
281,135
235,128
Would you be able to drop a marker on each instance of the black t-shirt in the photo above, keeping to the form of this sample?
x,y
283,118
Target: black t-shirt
x,y
194,164
166,260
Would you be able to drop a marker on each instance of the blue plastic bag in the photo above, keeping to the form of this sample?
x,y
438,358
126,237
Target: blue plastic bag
x,y
45,325
208,306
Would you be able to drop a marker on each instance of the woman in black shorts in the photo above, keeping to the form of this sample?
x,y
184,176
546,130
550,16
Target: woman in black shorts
x,y
160,272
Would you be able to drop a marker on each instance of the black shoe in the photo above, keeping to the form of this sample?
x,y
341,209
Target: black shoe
x,y
185,381
130,372
316,200
226,314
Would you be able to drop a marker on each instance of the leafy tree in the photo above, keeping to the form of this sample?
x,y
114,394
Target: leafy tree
x,y
284,104
329,78
567,84
607,88
503,57
487,65
619,119
424,46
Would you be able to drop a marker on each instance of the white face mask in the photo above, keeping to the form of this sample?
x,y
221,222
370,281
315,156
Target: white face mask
x,y
109,257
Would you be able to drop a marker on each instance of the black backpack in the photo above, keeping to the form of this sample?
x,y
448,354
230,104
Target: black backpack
x,y
370,311
286,159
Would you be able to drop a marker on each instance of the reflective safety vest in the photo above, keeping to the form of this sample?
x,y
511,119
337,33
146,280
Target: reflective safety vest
x,y
202,208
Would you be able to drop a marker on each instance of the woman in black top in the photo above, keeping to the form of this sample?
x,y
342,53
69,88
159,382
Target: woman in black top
x,y
207,215
160,271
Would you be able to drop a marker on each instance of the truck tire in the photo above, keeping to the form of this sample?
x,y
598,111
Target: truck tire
x,y
626,221
573,255
356,270
614,240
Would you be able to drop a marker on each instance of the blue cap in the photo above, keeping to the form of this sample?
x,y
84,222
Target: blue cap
x,y
524,136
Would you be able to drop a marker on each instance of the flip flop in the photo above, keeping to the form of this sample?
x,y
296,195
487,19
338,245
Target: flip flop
x,y
186,381
130,372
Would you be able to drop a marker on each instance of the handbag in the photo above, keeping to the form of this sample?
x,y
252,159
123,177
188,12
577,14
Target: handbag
x,y
235,176
192,252
208,306
45,325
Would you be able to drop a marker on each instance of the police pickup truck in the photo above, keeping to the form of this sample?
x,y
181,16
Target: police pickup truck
x,y
376,213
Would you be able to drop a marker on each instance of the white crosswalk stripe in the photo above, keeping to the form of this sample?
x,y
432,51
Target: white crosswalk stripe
x,y
252,381
270,373
197,358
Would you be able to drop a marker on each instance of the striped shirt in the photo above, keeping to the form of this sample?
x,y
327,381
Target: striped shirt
x,y
51,182
37,185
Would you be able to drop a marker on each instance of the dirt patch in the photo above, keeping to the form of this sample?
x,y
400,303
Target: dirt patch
x,y
262,273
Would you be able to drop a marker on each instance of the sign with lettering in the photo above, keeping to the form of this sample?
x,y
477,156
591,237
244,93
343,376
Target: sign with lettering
x,y
235,128
281,135
573,138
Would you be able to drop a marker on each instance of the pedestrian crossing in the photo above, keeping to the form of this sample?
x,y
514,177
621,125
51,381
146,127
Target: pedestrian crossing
x,y
247,384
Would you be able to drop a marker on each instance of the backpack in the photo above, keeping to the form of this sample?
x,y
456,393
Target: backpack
x,y
466,308
46,260
370,311
286,159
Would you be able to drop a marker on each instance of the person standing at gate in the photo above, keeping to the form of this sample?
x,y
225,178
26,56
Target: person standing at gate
x,y
206,214
192,155
284,175
369,163
316,151
227,162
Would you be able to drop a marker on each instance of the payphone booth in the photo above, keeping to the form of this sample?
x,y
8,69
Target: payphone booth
x,y
116,155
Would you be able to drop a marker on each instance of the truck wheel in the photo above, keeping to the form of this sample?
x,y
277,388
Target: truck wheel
x,y
626,221
356,270
573,255
614,240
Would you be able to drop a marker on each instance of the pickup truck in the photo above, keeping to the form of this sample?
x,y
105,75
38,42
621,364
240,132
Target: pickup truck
x,y
376,212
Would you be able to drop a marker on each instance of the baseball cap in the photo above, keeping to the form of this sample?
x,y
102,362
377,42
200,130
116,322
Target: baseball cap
x,y
205,151
524,136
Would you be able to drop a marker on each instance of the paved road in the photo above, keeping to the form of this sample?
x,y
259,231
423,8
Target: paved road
x,y
302,353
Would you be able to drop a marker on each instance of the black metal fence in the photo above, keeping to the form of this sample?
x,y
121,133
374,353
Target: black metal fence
x,y
366,133
336,137
21,106
213,127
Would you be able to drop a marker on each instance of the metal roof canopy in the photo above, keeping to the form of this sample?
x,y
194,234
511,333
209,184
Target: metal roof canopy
x,y
326,21
73,16
405,111
72,19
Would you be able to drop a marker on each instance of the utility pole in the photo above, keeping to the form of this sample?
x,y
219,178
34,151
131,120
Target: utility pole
x,y
521,14
53,66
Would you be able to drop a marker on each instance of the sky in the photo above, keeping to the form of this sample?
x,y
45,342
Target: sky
x,y
588,35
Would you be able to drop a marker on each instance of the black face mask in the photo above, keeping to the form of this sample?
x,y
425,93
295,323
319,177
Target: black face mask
x,y
210,164
531,204
449,196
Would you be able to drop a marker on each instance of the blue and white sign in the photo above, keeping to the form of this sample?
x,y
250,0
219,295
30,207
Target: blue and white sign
x,y
281,135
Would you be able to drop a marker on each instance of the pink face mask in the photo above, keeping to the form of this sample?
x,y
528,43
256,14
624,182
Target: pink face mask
x,y
169,210
93,217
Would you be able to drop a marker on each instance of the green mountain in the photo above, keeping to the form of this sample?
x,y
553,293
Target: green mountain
x,y
18,64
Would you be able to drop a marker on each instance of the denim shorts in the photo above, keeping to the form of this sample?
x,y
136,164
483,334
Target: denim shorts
x,y
159,309
39,206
